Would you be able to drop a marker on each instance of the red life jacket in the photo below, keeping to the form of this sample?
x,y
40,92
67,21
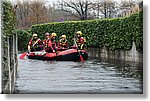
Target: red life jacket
x,y
80,40
47,43
35,43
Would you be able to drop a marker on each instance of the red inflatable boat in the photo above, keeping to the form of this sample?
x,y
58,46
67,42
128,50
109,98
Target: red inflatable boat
x,y
66,55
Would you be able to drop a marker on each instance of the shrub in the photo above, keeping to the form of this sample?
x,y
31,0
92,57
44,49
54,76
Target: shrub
x,y
23,39
8,18
114,33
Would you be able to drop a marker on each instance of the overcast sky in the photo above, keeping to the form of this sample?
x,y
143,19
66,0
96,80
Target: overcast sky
x,y
49,1
54,1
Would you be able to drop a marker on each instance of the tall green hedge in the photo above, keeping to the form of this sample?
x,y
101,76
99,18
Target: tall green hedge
x,y
116,33
8,18
23,38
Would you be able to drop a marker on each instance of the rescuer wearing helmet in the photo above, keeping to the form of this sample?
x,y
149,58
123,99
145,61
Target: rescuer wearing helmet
x,y
48,43
53,39
63,42
80,40
35,44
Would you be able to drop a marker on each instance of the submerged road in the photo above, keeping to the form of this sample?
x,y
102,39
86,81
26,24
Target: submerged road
x,y
92,76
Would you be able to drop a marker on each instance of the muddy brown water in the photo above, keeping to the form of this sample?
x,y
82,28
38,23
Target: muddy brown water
x,y
92,76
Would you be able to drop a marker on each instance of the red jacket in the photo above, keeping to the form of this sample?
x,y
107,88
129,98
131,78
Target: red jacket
x,y
35,43
47,44
81,40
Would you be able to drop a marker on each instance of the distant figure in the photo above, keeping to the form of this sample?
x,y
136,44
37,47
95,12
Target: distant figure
x,y
63,42
48,44
35,44
53,39
80,40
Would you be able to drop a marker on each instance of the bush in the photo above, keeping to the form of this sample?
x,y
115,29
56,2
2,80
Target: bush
x,y
8,18
116,33
23,39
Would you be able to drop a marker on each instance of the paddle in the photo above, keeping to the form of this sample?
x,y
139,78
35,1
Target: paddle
x,y
81,58
23,55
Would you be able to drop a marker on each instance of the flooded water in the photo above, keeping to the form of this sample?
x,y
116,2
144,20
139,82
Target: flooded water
x,y
92,76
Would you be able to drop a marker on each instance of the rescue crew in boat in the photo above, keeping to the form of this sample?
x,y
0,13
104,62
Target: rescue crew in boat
x,y
63,43
80,40
35,44
53,39
48,43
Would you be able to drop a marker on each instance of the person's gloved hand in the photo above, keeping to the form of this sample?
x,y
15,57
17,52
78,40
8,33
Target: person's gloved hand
x,y
29,51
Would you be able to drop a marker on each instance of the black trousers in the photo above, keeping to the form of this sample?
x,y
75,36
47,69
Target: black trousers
x,y
81,46
49,50
54,47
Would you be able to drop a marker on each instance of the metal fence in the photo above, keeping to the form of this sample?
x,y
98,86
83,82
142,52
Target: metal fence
x,y
9,63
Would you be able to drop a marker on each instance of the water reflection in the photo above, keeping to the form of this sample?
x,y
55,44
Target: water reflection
x,y
92,76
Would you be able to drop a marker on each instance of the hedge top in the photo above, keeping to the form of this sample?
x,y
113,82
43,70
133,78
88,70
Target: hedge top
x,y
114,33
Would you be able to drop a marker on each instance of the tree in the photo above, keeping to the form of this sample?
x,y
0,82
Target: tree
x,y
106,7
31,12
38,12
126,6
22,13
78,8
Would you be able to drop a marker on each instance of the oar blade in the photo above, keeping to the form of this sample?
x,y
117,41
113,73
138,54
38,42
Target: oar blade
x,y
81,58
23,55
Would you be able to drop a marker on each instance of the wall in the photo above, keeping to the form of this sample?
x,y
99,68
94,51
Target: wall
x,y
131,55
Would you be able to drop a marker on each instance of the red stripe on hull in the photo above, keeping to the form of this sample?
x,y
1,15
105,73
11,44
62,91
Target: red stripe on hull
x,y
60,53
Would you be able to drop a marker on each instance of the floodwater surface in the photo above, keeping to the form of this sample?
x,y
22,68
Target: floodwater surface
x,y
92,76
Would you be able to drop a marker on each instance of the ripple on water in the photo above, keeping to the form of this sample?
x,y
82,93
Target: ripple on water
x,y
92,76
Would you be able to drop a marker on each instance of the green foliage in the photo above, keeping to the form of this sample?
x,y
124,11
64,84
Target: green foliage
x,y
116,33
138,32
8,18
23,39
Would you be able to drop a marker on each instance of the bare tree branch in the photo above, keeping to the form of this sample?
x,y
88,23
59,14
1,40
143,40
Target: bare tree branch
x,y
79,7
71,13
